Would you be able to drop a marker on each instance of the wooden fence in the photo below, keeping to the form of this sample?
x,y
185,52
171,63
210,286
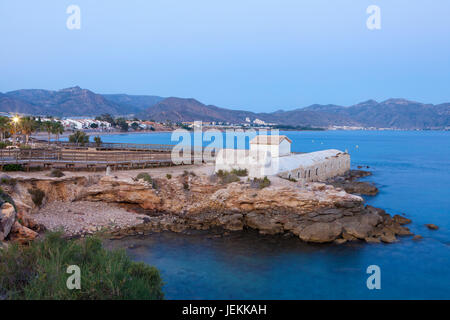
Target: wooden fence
x,y
82,158
117,146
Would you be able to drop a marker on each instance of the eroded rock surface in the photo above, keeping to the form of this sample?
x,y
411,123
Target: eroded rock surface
x,y
7,219
349,183
315,212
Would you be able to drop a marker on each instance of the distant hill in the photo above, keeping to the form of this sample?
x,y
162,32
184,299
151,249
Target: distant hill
x,y
179,109
71,101
392,113
11,104
135,103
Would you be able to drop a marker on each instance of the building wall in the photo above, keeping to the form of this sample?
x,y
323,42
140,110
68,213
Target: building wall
x,y
283,149
314,166
257,163
321,170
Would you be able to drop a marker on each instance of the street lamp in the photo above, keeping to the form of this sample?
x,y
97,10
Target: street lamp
x,y
15,121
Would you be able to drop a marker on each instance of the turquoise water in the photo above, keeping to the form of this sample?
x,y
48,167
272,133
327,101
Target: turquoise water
x,y
412,171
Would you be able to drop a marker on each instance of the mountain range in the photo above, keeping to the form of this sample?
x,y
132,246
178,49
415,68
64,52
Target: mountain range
x,y
392,113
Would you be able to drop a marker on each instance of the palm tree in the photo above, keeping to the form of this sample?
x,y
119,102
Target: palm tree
x,y
79,137
4,127
27,126
48,126
57,129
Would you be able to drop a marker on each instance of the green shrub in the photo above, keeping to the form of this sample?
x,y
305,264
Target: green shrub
x,y
79,137
4,197
240,172
228,177
144,176
290,179
4,144
260,183
56,173
147,178
220,173
8,181
98,141
185,186
12,167
37,195
168,176
188,173
39,271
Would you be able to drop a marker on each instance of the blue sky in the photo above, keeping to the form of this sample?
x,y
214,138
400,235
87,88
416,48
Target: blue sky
x,y
249,54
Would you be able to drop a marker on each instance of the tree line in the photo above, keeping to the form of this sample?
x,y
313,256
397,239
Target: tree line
x,y
24,127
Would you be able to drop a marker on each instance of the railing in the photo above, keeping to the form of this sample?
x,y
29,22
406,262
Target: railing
x,y
81,156
117,146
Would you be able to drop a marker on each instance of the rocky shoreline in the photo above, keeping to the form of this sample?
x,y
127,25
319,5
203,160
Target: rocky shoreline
x,y
119,206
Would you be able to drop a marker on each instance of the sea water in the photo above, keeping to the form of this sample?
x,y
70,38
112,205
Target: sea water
x,y
411,170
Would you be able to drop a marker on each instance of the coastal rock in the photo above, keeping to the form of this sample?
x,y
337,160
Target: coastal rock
x,y
263,223
232,222
314,212
21,234
388,237
359,187
372,240
360,226
29,222
349,184
7,219
340,241
320,232
432,226
401,220
112,190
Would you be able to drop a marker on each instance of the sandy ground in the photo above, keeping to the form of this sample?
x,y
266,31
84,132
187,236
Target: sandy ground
x,y
158,172
85,217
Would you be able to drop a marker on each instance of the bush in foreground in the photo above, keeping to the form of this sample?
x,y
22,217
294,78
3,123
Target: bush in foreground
x,y
240,172
13,167
38,271
260,183
226,177
56,173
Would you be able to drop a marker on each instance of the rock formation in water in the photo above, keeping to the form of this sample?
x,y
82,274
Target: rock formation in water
x,y
316,212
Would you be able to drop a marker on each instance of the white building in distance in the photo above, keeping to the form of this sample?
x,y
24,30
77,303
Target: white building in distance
x,y
271,155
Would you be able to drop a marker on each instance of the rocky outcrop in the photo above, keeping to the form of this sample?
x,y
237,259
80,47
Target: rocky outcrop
x,y
7,219
21,234
314,212
12,225
349,183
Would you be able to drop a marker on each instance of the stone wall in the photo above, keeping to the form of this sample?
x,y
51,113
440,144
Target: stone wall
x,y
313,166
320,170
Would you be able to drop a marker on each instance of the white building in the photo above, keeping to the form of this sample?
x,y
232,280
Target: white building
x,y
278,146
271,155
